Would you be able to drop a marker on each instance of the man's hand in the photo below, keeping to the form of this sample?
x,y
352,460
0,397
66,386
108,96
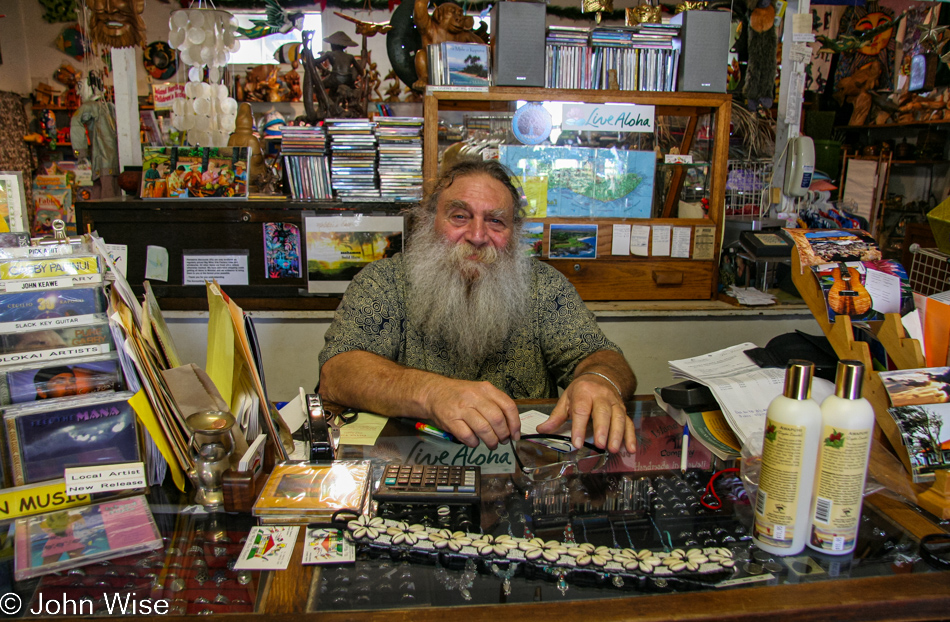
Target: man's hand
x,y
591,398
472,411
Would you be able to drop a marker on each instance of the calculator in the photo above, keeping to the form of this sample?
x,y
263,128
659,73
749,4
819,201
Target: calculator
x,y
402,483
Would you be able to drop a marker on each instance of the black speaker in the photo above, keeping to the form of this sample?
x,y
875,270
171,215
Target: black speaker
x,y
704,57
518,33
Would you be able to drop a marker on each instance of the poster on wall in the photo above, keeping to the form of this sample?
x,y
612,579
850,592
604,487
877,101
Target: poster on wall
x,y
282,250
338,247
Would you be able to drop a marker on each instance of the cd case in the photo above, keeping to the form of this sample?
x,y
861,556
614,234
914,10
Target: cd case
x,y
46,437
53,308
55,344
34,382
316,490
76,537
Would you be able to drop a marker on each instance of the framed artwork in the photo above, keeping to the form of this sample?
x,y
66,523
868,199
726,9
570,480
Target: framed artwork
x,y
12,203
338,247
194,172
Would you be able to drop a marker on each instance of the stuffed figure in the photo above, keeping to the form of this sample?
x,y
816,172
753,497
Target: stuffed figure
x,y
762,44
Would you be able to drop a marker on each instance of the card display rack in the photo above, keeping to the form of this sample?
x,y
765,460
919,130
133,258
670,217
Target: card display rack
x,y
905,352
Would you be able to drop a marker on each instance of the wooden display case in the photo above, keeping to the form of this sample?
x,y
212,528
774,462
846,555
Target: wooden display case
x,y
701,117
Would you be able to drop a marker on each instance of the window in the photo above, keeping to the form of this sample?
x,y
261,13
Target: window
x,y
261,51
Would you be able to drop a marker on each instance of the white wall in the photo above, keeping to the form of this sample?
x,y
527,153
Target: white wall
x,y
290,346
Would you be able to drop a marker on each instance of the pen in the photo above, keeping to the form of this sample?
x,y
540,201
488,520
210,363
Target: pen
x,y
431,430
685,448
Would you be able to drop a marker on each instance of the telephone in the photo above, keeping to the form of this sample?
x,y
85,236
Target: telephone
x,y
799,166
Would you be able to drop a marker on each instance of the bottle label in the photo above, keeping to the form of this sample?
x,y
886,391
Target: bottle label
x,y
839,488
777,501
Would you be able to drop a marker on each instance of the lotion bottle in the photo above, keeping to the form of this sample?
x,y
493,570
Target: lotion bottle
x,y
787,474
847,425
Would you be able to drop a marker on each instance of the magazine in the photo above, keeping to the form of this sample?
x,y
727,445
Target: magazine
x,y
66,539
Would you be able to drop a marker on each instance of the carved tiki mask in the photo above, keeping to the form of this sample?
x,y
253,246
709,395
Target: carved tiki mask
x,y
116,23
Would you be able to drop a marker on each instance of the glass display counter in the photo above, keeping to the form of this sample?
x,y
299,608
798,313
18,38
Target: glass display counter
x,y
659,511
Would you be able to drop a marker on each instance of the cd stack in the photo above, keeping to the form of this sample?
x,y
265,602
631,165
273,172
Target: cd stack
x,y
56,346
304,150
400,158
353,158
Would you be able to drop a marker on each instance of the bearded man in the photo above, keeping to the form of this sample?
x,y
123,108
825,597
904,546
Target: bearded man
x,y
462,323
116,23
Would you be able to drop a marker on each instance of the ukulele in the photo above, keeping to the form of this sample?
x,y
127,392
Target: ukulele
x,y
847,295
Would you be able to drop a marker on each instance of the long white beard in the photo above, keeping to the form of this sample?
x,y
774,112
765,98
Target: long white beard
x,y
472,305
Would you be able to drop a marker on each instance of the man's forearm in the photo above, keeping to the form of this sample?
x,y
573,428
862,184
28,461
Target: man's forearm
x,y
612,365
360,379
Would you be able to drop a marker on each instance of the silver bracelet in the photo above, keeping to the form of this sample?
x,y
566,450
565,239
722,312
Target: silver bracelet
x,y
612,383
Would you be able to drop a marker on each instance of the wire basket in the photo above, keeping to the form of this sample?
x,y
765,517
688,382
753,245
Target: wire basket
x,y
930,271
747,188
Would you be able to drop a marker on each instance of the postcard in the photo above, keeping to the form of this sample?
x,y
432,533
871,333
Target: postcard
x,y
819,246
34,382
855,289
267,548
925,430
909,387
194,172
532,236
76,537
282,251
327,546
572,241
45,438
338,247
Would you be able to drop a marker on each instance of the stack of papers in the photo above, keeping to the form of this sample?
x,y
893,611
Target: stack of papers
x,y
742,388
751,296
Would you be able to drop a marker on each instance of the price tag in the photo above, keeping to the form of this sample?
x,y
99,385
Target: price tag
x,y
677,158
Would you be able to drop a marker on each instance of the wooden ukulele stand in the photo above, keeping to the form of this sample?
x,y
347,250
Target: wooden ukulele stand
x,y
906,354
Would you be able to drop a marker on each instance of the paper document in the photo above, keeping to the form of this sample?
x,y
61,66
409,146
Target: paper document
x,y
742,388
364,430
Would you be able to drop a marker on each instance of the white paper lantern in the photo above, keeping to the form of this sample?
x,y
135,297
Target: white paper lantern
x,y
204,38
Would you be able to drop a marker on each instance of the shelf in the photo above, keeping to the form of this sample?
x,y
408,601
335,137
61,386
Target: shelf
x,y
919,162
893,125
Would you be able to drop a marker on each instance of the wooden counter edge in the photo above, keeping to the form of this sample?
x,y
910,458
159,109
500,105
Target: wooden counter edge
x,y
924,596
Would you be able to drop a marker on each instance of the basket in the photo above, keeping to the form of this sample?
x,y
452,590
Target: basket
x,y
939,218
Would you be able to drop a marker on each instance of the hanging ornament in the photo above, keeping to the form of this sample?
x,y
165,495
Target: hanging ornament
x,y
598,6
204,38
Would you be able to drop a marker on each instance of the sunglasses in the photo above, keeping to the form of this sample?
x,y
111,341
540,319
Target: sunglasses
x,y
543,457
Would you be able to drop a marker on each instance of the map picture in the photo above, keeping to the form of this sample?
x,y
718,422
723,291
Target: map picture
x,y
582,181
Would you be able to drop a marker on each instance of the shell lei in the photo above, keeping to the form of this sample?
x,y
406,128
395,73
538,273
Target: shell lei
x,y
558,558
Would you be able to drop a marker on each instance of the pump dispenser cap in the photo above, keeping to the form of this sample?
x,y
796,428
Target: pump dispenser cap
x,y
798,376
848,379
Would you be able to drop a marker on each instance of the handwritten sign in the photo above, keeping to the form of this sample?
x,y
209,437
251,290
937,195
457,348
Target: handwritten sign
x,y
608,117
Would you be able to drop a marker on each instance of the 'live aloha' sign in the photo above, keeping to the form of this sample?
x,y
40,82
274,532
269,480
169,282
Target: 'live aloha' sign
x,y
608,117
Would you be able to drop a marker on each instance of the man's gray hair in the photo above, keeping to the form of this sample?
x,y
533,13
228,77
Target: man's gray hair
x,y
464,168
